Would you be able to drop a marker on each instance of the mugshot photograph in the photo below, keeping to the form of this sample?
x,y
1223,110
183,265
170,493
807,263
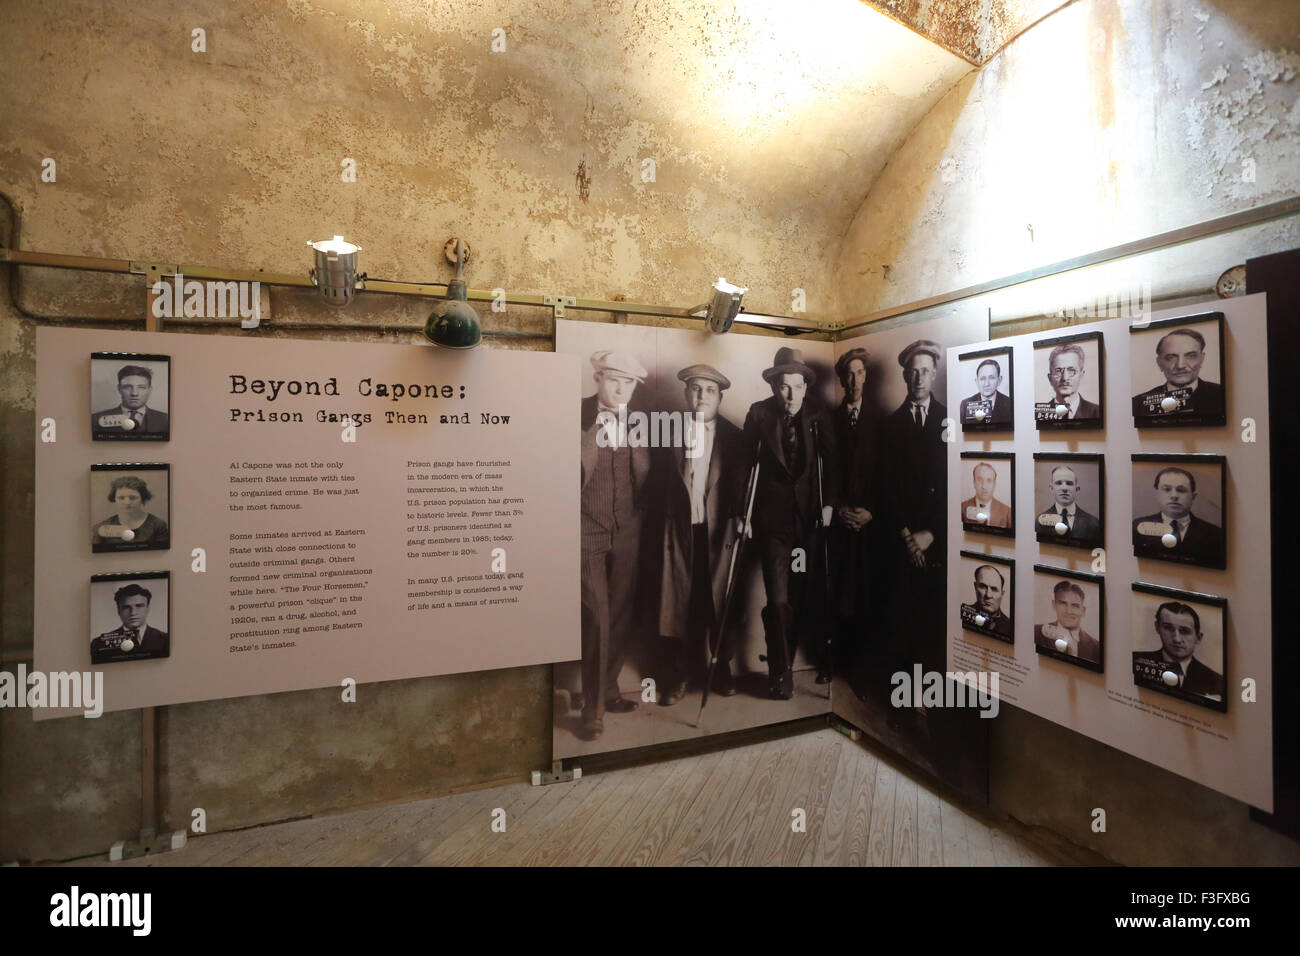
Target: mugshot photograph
x,y
988,488
989,605
1069,499
1178,508
1178,372
1069,382
130,397
1180,644
133,500
986,380
1069,616
129,616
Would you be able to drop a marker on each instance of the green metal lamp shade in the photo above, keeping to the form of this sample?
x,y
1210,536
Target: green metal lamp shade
x,y
453,324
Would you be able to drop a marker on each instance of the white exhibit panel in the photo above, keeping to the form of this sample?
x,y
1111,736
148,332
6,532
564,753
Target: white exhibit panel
x,y
1092,644
328,512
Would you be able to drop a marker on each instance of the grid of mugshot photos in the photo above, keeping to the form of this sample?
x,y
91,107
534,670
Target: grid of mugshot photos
x,y
130,507
988,598
1178,507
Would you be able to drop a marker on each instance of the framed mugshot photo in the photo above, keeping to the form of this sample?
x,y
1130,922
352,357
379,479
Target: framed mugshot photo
x,y
130,617
988,492
1069,382
1178,372
131,507
1180,644
130,397
985,378
1070,499
1070,617
1179,509
988,589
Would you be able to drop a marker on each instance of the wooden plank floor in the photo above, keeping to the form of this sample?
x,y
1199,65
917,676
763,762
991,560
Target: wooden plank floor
x,y
815,799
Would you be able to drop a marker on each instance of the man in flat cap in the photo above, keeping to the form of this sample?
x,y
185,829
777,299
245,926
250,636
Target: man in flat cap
x,y
700,491
853,530
788,430
614,478
914,488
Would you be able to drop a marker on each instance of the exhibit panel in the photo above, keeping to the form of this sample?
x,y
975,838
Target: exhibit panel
x,y
298,514
683,435
896,564
1142,616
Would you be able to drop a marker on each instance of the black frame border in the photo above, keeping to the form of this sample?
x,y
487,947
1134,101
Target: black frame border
x,y
127,436
1194,458
1100,581
1077,424
1010,564
1188,421
1189,597
974,526
1010,427
136,576
1100,459
128,546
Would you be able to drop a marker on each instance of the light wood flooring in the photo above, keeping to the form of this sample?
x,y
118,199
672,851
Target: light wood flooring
x,y
728,807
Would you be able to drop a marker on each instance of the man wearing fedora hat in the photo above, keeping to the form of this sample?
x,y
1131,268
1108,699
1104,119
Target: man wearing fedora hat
x,y
914,488
853,531
700,488
614,478
788,431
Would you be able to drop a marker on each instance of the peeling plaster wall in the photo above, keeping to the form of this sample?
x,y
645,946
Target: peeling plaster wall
x,y
1107,122
766,122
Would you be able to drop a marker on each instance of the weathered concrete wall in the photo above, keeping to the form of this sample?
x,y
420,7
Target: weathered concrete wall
x,y
1109,121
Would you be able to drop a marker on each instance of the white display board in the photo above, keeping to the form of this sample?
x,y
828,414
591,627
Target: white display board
x,y
1229,751
364,512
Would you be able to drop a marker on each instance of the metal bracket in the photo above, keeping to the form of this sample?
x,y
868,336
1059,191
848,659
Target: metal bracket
x,y
154,270
558,303
833,326
557,774
148,842
848,730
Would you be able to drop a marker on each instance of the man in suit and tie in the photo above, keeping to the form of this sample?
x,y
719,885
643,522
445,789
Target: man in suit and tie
x,y
133,416
996,405
1064,510
996,513
1065,372
135,639
853,528
1070,605
1191,539
1180,355
701,487
914,489
1179,629
990,588
789,431
614,478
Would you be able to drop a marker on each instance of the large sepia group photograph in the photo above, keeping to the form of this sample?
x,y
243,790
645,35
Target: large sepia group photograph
x,y
710,481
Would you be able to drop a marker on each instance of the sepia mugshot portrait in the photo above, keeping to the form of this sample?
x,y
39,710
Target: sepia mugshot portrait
x,y
130,397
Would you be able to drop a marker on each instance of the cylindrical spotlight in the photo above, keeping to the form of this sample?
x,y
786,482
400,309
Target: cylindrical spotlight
x,y
335,273
724,306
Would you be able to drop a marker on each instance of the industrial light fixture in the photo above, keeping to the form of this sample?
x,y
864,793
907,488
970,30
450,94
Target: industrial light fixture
x,y
453,324
724,306
335,272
